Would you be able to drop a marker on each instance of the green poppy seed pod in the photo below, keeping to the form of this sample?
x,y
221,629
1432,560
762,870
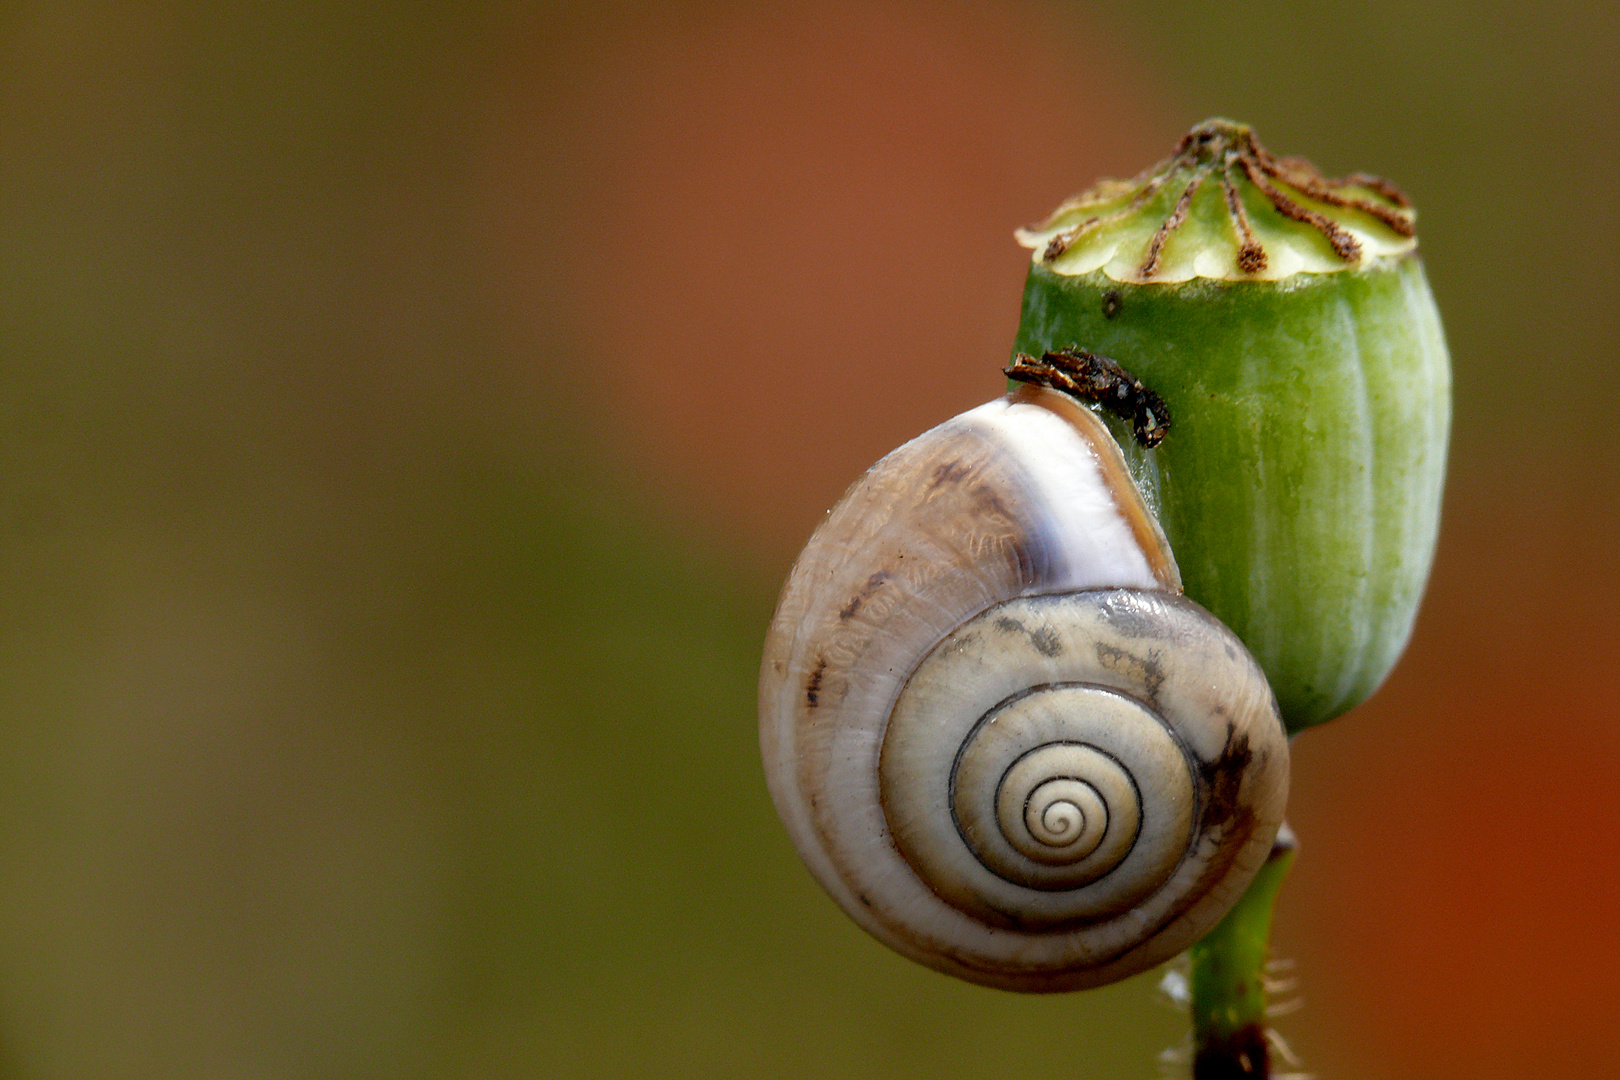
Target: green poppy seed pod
x,y
1284,321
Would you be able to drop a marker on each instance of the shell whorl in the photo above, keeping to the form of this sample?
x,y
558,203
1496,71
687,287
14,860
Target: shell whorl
x,y
998,735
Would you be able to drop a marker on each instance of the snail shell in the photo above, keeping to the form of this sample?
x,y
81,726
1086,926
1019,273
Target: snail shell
x,y
997,733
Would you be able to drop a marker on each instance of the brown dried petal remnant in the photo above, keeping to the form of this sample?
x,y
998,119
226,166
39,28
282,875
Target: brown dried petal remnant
x,y
1171,224
1230,152
1090,377
1251,257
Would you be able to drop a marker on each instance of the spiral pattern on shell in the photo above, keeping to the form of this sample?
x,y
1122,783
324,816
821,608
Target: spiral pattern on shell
x,y
1000,738
1041,768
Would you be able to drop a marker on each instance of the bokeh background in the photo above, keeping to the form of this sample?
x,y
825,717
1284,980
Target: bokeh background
x,y
408,412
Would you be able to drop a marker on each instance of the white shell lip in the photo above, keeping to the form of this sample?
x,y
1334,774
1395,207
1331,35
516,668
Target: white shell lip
x,y
1024,496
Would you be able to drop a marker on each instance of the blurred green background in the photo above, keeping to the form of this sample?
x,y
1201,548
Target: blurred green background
x,y
408,412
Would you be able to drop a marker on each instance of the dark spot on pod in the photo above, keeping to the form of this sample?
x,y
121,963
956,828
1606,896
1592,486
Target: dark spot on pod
x,y
1111,303
812,690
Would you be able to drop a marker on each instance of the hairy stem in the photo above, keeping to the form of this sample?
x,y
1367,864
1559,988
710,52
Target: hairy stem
x,y
1227,982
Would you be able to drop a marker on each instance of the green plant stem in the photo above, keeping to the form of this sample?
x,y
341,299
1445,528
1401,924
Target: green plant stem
x,y
1230,1038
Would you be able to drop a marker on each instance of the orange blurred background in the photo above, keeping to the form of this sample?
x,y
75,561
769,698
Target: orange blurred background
x,y
410,410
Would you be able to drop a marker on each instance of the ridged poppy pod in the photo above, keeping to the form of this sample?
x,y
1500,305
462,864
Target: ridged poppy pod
x,y
1284,321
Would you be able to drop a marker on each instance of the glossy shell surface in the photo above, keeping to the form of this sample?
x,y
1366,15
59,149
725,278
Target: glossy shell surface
x,y
997,734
